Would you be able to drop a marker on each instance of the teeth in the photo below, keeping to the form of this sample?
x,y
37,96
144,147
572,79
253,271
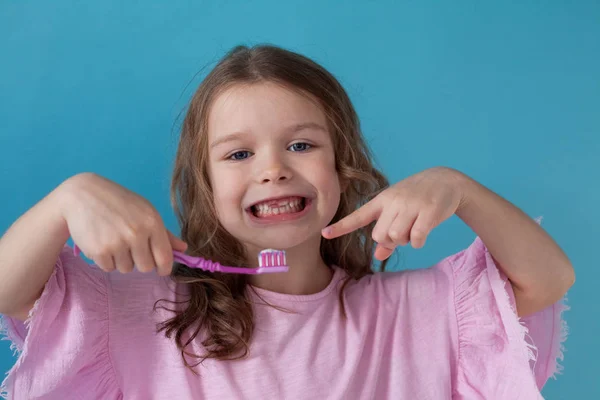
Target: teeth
x,y
281,207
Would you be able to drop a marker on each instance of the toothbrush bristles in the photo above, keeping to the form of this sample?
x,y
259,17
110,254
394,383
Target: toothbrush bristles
x,y
270,258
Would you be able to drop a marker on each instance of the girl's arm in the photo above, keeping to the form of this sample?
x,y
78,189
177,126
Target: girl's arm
x,y
116,228
28,253
539,271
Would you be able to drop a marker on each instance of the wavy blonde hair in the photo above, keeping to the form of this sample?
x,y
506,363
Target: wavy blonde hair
x,y
218,304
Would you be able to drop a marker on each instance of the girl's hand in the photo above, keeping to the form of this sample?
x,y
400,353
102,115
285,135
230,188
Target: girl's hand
x,y
117,228
407,211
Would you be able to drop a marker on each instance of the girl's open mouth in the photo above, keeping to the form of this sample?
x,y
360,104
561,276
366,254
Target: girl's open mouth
x,y
289,205
283,209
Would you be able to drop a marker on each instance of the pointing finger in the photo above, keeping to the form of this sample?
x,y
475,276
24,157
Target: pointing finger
x,y
359,218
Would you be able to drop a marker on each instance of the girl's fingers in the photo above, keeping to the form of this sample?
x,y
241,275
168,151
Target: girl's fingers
x,y
381,253
176,243
105,261
357,219
380,230
162,246
400,228
123,261
142,255
423,225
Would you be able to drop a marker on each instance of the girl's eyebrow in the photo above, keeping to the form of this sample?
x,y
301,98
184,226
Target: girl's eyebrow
x,y
227,138
306,125
292,129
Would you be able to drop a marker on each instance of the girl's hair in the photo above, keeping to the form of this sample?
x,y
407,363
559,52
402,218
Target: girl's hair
x,y
218,308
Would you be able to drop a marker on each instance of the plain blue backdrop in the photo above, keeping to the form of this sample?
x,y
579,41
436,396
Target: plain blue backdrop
x,y
508,92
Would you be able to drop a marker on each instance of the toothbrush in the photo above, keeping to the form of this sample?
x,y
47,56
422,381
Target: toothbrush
x,y
269,261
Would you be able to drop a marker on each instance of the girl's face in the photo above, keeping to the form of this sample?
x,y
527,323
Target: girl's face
x,y
272,166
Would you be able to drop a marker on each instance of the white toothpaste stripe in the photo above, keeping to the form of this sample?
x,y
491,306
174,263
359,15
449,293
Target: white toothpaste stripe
x,y
272,258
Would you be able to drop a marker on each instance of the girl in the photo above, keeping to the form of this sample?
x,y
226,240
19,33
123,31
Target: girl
x,y
271,156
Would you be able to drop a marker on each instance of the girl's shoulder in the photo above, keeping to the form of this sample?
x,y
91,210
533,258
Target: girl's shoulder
x,y
75,325
468,297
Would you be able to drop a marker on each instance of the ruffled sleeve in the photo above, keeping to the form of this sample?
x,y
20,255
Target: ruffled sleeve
x,y
500,356
63,347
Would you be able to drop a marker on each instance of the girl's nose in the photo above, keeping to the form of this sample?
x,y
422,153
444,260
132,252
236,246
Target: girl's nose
x,y
274,171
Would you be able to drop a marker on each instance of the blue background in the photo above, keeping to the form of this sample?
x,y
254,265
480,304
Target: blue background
x,y
507,92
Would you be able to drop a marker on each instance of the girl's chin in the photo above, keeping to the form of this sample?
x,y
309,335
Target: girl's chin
x,y
289,243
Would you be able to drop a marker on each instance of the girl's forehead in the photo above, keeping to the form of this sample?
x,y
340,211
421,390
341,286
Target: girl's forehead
x,y
262,106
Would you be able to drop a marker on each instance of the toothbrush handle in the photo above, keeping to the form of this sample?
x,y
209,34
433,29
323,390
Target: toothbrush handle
x,y
208,265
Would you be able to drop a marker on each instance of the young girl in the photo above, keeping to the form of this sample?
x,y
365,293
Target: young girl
x,y
271,156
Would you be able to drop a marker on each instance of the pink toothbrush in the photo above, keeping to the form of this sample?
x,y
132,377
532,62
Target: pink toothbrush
x,y
269,261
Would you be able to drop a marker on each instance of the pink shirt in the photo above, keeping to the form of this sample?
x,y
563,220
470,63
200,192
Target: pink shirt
x,y
448,331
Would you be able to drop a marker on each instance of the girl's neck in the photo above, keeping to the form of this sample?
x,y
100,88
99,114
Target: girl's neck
x,y
308,273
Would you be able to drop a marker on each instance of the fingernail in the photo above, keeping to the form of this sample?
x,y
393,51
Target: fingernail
x,y
326,231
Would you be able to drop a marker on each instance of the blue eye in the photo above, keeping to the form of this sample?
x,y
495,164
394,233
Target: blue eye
x,y
300,146
239,155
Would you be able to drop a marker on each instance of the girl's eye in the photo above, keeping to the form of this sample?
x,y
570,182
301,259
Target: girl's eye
x,y
239,155
300,146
